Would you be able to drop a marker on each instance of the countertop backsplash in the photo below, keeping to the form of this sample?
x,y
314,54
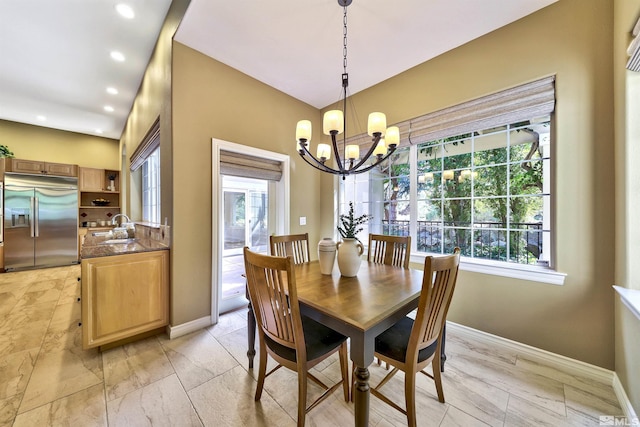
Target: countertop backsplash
x,y
160,233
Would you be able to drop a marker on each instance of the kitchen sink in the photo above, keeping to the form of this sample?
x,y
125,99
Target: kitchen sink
x,y
118,241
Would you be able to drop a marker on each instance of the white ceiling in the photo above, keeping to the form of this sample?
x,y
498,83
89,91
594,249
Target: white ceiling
x,y
55,61
54,55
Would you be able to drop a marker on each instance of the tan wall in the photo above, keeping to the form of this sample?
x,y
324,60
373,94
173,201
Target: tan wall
x,y
212,100
573,40
31,142
627,144
152,101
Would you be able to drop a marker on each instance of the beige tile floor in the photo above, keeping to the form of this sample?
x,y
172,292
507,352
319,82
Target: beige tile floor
x,y
202,378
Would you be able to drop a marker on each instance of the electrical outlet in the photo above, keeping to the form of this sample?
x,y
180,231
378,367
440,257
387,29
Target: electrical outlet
x,y
303,220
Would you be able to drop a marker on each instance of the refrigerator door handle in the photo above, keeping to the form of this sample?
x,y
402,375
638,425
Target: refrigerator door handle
x,y
36,217
31,226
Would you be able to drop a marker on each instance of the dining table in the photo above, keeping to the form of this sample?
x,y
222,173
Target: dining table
x,y
360,307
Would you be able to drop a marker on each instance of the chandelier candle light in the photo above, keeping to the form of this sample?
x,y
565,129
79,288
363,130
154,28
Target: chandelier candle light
x,y
384,140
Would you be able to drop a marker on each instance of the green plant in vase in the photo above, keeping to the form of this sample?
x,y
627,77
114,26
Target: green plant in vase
x,y
351,224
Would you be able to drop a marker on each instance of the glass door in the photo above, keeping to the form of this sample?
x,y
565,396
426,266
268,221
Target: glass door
x,y
246,223
235,221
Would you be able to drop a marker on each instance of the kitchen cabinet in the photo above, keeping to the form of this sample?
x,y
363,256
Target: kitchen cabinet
x,y
91,179
97,180
124,296
93,187
40,167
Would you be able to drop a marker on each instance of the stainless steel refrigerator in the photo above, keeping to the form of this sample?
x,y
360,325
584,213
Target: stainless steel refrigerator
x,y
40,221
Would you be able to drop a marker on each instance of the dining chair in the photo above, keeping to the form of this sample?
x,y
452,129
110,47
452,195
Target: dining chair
x,y
294,341
390,250
411,345
296,245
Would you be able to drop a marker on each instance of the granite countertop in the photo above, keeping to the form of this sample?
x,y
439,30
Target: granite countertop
x,y
95,246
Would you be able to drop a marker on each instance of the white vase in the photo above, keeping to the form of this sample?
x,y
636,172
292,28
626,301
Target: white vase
x,y
112,185
326,255
349,253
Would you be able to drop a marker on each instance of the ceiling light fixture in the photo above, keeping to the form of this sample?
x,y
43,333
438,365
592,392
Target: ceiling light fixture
x,y
384,140
99,131
108,108
117,56
41,118
112,90
125,10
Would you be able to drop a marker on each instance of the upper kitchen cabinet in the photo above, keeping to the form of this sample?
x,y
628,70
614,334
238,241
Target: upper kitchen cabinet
x,y
40,168
97,180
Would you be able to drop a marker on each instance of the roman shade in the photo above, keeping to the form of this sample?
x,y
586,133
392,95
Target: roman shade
x,y
238,164
149,143
634,49
524,102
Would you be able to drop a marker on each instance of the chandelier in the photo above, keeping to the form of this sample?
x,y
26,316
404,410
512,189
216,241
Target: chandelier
x,y
348,160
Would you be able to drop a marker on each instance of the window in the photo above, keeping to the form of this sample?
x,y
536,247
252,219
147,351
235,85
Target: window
x,y
483,185
147,157
486,192
151,187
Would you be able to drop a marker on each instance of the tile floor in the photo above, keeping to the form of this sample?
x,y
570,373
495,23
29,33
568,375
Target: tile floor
x,y
202,378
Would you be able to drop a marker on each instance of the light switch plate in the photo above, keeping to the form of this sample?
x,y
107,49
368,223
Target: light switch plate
x,y
303,220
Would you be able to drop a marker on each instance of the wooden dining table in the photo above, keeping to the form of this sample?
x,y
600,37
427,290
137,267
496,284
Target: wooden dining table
x,y
360,307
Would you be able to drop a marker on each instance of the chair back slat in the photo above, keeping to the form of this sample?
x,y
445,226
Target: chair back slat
x,y
272,291
390,250
438,284
294,245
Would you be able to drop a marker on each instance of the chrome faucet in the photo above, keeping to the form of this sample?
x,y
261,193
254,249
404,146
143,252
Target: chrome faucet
x,y
113,220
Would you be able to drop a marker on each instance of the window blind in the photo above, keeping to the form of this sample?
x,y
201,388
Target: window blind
x,y
524,102
149,143
238,164
634,49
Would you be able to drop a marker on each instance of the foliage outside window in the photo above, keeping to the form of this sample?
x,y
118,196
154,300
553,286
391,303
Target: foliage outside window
x,y
151,187
487,192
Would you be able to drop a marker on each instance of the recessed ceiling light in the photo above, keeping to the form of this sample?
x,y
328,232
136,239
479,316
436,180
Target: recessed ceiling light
x,y
41,118
117,56
112,90
99,131
125,10
108,108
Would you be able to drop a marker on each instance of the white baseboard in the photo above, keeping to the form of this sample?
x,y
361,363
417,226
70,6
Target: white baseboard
x,y
186,328
564,363
623,399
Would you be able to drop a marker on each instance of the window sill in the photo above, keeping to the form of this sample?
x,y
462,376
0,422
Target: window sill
x,y
630,298
531,273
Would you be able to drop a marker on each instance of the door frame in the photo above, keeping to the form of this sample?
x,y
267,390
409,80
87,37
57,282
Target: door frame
x,y
280,218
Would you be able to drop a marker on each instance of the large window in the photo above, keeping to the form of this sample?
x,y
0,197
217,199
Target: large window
x,y
487,192
476,175
151,187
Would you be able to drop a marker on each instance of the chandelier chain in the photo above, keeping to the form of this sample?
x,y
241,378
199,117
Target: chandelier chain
x,y
347,157
344,40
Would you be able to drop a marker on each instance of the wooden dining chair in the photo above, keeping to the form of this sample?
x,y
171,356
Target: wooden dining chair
x,y
411,345
296,245
390,250
292,340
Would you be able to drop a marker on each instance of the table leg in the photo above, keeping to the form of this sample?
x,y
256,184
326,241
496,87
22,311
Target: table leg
x,y
361,396
251,334
443,357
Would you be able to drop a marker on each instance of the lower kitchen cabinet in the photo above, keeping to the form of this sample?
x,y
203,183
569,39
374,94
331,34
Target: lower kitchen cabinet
x,y
124,296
